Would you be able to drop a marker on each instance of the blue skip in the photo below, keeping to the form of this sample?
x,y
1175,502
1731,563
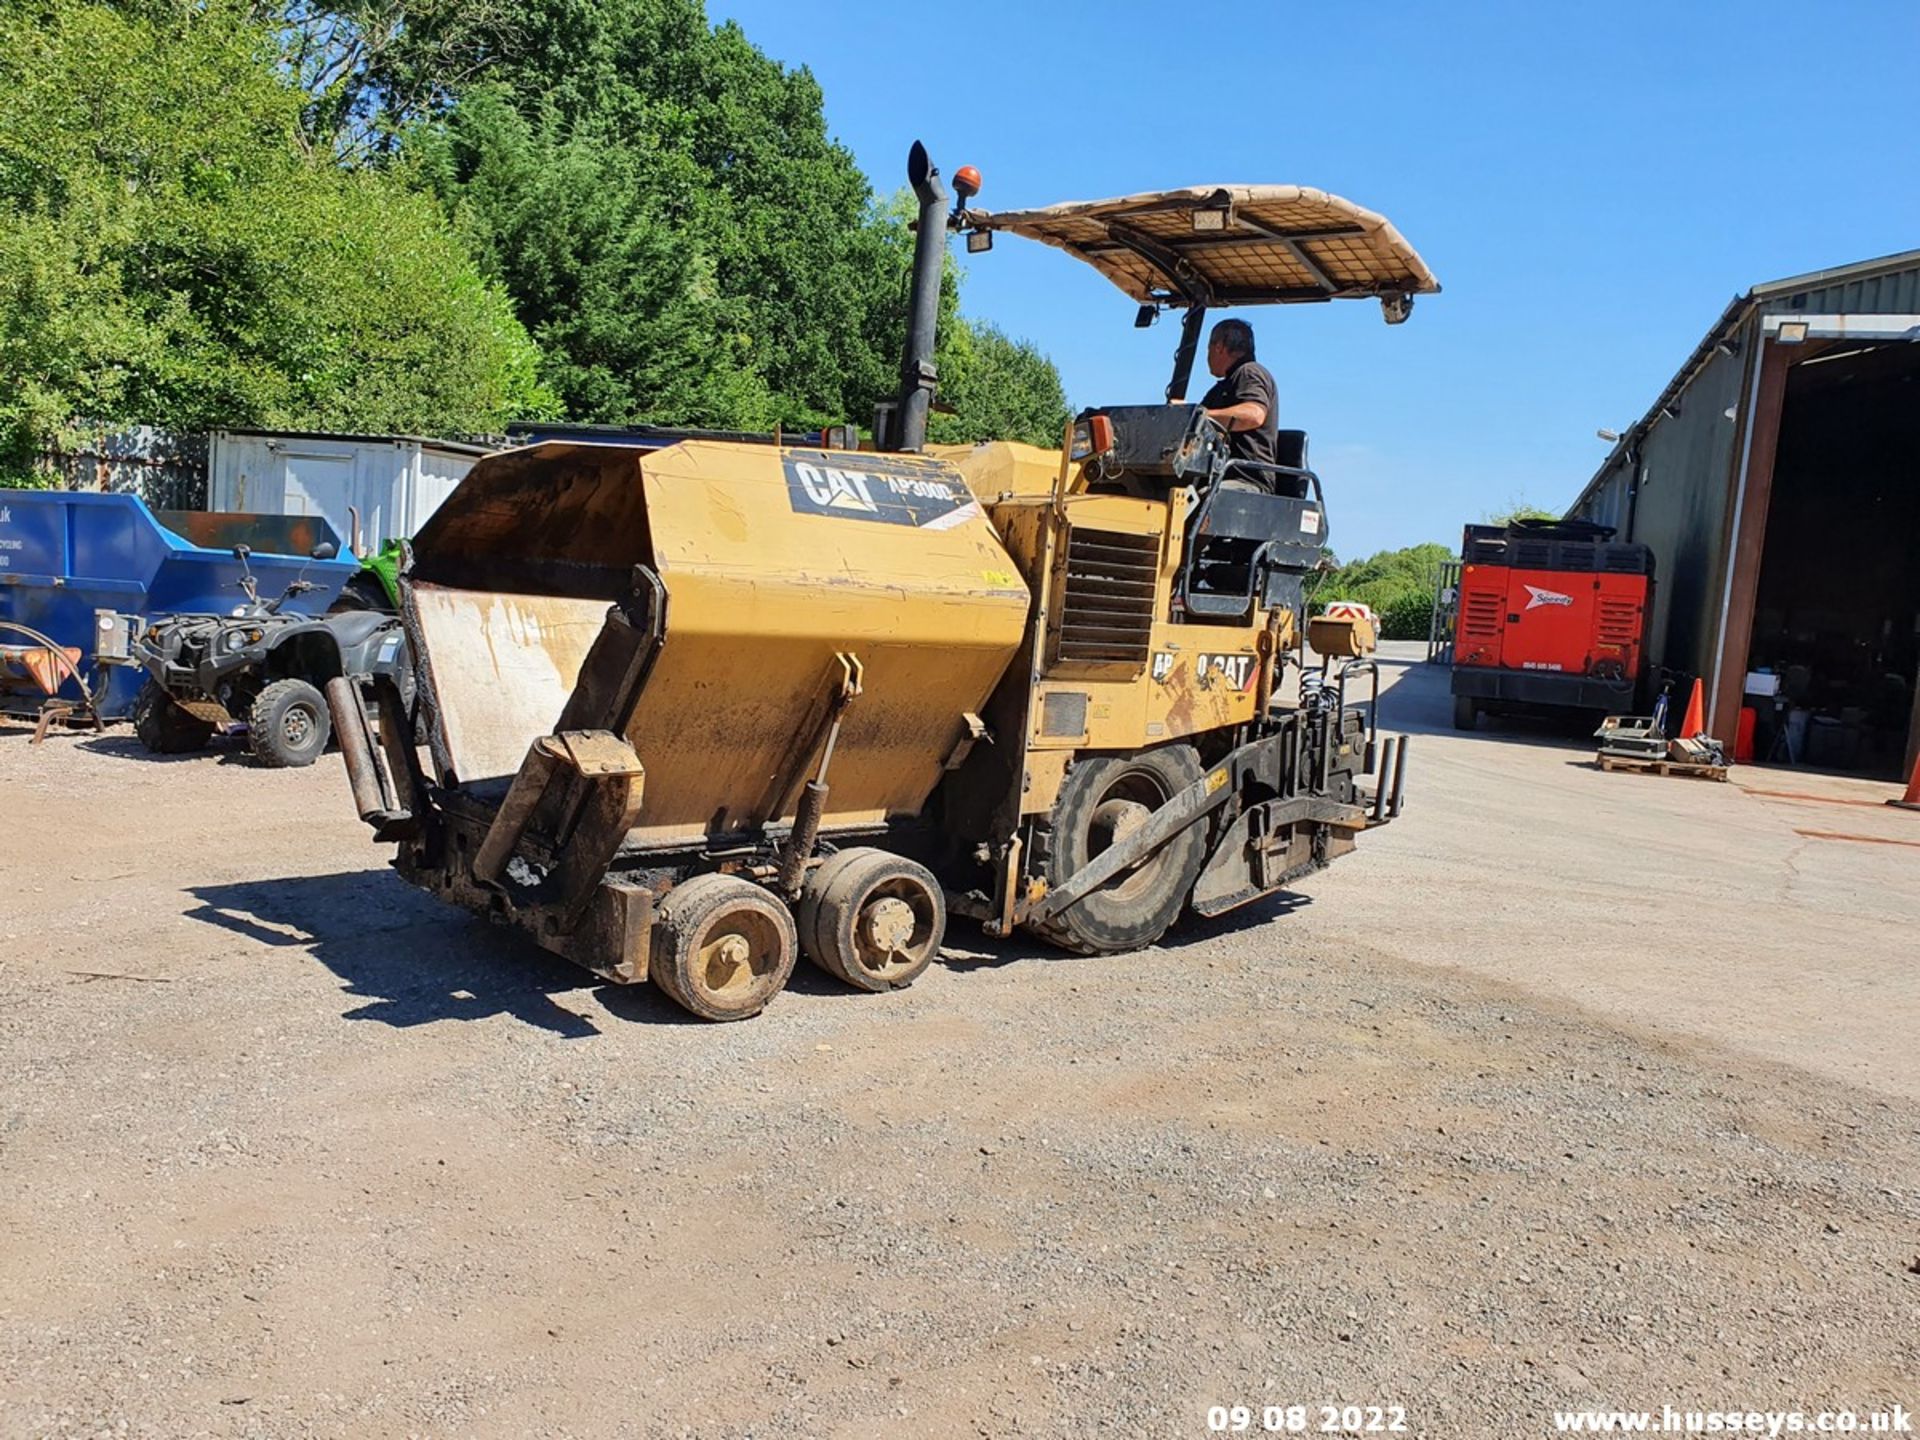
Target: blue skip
x,y
64,555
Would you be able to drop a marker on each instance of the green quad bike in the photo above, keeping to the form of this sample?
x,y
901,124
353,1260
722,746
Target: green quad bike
x,y
377,586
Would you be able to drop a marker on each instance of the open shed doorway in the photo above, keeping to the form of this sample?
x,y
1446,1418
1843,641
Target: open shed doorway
x,y
1837,605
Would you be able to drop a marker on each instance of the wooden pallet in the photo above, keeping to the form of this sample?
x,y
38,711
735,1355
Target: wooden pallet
x,y
1662,767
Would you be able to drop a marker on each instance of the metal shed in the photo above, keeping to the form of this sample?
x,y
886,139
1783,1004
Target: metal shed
x,y
1777,478
391,482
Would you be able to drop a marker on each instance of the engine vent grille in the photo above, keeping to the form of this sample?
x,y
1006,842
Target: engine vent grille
x,y
1481,616
1619,622
1107,605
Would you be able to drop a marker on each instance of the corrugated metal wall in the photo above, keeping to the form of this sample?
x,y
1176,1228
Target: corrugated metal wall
x,y
1897,293
437,473
1684,481
1685,490
1606,503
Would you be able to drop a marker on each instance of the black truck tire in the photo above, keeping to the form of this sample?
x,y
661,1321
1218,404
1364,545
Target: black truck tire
x,y
288,725
163,727
1466,712
1103,798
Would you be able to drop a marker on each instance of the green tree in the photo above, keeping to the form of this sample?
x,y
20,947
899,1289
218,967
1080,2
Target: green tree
x,y
682,235
171,253
999,389
630,318
1398,584
991,387
370,68
752,246
1519,510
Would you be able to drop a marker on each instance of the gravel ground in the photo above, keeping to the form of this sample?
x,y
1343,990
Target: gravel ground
x,y
341,1162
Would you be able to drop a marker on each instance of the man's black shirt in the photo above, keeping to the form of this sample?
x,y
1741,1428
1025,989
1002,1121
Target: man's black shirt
x,y
1249,380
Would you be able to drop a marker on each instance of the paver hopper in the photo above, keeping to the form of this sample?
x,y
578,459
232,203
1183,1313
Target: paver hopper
x,y
752,624
692,711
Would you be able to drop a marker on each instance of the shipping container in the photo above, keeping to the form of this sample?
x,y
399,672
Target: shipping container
x,y
390,483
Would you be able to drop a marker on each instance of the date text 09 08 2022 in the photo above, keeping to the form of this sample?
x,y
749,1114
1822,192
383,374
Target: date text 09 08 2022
x,y
1308,1419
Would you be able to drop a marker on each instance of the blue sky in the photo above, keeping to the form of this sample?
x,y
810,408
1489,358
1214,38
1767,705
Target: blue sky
x,y
1591,183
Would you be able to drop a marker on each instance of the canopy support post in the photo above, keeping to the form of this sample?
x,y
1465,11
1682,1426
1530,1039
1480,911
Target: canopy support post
x,y
1190,324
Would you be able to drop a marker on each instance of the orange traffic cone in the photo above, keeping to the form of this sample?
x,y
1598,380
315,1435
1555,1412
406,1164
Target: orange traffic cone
x,y
1910,800
1696,719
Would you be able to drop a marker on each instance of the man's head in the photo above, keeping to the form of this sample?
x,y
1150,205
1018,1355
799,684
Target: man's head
x,y
1229,344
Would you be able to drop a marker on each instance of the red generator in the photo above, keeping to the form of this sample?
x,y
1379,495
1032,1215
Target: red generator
x,y
1552,615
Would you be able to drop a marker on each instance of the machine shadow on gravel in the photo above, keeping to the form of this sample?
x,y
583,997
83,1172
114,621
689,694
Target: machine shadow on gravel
x,y
221,750
395,949
970,948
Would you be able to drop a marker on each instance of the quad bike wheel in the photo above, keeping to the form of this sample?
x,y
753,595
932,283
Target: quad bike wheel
x,y
872,919
1104,799
164,727
722,947
288,725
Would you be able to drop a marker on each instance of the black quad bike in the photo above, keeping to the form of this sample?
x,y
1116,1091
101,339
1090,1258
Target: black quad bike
x,y
257,667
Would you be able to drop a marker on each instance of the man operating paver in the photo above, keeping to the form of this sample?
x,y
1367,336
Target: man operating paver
x,y
1243,399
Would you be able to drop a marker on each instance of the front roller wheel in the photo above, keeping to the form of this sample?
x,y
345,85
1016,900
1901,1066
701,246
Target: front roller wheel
x,y
1104,799
872,919
722,947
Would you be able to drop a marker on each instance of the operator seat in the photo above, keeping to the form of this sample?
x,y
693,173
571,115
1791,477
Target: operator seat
x,y
1257,531
1289,454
